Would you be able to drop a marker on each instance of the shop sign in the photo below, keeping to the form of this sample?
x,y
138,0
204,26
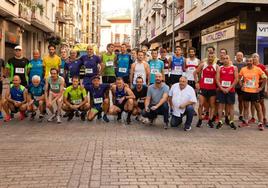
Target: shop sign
x,y
220,35
12,38
262,29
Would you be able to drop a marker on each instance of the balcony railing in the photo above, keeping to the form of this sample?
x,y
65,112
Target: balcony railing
x,y
25,12
41,21
179,19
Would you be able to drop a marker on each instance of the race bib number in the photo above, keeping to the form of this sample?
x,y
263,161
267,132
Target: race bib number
x,y
154,71
140,101
88,71
165,71
192,69
226,83
109,63
61,71
98,100
208,80
55,87
19,70
123,70
250,84
178,68
78,101
70,80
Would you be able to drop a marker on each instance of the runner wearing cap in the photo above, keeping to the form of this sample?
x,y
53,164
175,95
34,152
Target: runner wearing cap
x,y
18,65
99,99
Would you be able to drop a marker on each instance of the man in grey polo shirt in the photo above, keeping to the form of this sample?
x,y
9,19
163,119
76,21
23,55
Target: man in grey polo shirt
x,y
156,100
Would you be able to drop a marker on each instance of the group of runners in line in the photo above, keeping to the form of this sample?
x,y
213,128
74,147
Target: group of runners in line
x,y
142,84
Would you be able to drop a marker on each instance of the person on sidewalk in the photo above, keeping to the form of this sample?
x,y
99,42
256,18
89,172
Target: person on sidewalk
x,y
156,102
2,77
182,97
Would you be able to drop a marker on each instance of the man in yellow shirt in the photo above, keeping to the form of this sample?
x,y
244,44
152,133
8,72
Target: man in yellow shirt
x,y
51,60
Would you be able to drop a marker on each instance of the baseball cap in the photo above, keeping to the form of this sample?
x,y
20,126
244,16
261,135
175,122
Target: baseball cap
x,y
18,48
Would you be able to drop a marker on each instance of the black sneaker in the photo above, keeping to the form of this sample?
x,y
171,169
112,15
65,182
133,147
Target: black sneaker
x,y
227,121
232,125
241,118
71,116
99,116
219,125
119,116
166,126
210,124
77,114
33,114
105,118
41,118
83,116
199,123
66,115
151,121
128,120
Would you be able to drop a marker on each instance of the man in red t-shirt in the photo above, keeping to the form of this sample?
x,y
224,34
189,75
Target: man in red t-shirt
x,y
226,78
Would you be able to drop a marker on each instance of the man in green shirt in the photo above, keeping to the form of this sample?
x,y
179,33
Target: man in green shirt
x,y
75,99
108,59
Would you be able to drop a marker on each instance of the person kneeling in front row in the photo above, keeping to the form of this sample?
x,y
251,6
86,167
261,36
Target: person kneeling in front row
x,y
156,101
75,99
182,97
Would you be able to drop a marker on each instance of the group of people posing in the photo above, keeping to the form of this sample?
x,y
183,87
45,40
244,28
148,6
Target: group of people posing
x,y
142,84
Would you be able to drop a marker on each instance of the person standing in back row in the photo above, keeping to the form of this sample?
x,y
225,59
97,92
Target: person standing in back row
x,y
51,60
156,67
176,63
123,62
108,64
18,65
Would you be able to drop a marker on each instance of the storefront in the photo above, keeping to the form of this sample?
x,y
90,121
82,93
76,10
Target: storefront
x,y
262,41
223,38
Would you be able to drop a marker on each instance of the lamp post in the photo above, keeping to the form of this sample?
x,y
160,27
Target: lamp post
x,y
158,7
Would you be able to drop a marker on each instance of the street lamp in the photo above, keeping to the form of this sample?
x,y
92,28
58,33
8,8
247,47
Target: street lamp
x,y
158,7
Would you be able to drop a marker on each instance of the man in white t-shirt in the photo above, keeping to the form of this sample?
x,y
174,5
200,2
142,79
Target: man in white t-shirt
x,y
182,97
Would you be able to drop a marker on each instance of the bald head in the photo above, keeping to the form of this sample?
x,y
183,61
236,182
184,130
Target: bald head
x,y
183,82
16,81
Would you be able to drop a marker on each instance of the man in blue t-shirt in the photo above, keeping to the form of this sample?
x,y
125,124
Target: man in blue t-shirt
x,y
36,66
99,99
36,98
91,65
156,66
123,62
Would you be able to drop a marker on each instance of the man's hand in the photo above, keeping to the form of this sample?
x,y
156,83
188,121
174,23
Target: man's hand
x,y
17,104
147,109
197,86
74,107
154,107
182,106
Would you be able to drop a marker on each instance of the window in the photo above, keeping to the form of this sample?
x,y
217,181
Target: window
x,y
191,4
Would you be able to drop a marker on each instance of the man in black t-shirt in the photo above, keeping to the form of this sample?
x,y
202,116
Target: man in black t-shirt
x,y
2,70
140,92
18,65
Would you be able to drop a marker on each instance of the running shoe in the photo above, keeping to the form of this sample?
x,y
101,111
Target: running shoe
x,y
232,125
219,125
58,119
22,116
7,118
261,127
252,120
105,118
199,123
53,117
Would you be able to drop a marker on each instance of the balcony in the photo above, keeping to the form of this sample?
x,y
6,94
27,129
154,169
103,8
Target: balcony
x,y
24,15
60,17
179,19
153,33
41,21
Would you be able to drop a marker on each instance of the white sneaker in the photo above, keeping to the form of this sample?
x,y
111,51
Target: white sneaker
x,y
58,119
187,129
51,118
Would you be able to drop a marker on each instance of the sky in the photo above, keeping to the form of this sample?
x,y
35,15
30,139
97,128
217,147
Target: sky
x,y
113,6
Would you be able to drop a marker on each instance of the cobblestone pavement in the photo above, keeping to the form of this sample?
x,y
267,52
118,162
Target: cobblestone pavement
x,y
82,154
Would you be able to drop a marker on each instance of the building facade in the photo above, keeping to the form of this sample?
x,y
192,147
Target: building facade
x,y
239,25
27,23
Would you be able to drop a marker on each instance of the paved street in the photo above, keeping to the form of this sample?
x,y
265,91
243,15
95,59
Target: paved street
x,y
113,155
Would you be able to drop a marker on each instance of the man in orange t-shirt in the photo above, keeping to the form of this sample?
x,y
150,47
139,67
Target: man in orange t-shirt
x,y
249,77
